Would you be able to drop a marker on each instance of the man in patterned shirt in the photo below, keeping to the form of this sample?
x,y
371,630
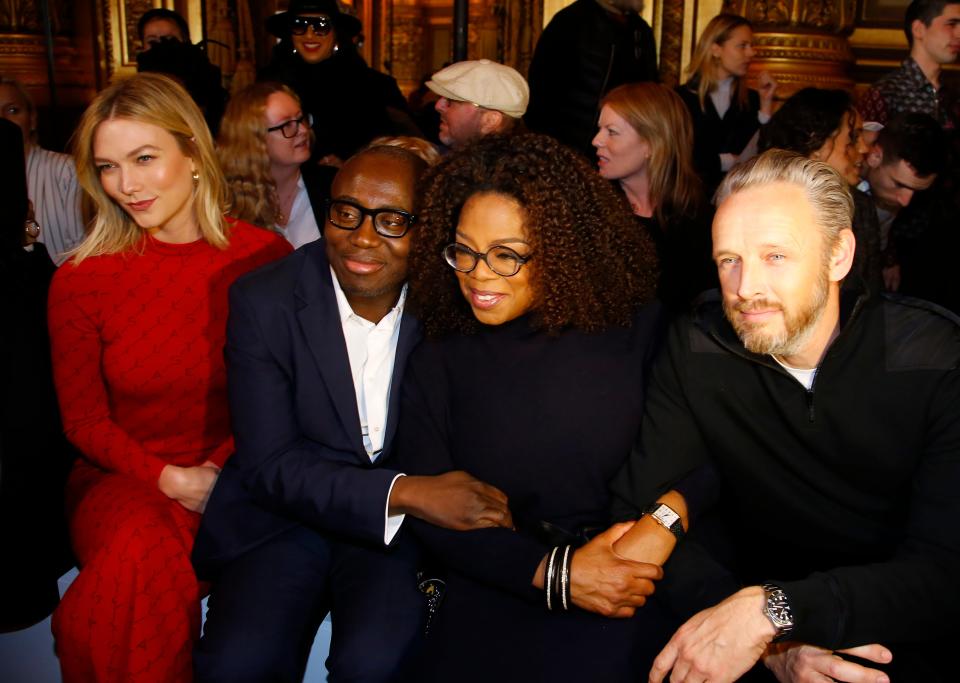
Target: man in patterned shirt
x,y
933,33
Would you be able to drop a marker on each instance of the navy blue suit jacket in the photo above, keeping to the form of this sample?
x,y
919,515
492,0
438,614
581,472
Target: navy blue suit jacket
x,y
300,457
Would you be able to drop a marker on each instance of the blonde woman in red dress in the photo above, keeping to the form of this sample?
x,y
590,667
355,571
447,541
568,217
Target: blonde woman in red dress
x,y
137,325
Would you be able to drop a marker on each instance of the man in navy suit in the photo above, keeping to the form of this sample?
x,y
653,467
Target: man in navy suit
x,y
304,517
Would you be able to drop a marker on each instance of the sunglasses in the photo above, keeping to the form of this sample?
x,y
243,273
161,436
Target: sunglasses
x,y
320,25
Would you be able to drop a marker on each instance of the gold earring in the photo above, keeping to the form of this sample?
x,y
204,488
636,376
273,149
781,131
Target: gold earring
x,y
196,177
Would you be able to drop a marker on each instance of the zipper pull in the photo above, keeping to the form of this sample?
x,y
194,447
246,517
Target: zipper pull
x,y
810,412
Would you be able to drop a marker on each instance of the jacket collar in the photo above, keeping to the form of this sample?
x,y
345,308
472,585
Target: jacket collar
x,y
708,316
319,319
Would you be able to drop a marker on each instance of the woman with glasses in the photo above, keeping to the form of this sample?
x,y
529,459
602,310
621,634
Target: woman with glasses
x,y
351,103
644,145
264,146
824,125
137,328
726,113
533,288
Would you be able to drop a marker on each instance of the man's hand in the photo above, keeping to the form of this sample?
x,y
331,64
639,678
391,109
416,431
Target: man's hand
x,y
801,663
189,486
603,582
454,500
719,644
767,87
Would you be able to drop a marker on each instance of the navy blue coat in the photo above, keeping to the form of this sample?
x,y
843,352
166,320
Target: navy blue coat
x,y
300,457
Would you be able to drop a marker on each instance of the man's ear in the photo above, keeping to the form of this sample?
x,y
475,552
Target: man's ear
x,y
491,121
918,30
875,156
841,258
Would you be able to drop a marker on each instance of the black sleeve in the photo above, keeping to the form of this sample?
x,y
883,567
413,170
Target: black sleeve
x,y
670,446
499,557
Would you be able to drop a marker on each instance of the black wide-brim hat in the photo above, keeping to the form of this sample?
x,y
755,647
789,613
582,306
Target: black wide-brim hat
x,y
344,24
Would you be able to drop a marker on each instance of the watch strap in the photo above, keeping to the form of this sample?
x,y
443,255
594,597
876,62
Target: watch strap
x,y
667,517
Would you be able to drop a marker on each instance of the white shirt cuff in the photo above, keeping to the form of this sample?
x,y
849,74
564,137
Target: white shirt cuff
x,y
763,118
391,523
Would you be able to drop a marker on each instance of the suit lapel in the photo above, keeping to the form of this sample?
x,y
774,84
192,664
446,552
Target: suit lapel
x,y
319,320
409,336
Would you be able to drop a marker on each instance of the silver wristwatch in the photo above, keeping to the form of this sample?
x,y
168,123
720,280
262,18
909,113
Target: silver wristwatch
x,y
777,610
666,517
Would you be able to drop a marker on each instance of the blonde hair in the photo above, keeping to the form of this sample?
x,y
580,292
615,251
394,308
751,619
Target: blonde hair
x,y
703,66
242,147
424,149
826,190
157,100
659,116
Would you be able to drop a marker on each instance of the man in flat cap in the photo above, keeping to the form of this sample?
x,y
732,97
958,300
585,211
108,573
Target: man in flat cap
x,y
477,98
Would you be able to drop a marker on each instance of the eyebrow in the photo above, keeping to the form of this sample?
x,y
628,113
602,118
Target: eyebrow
x,y
134,153
349,198
288,119
505,240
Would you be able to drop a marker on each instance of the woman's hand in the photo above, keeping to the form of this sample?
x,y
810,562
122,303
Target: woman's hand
x,y
189,486
767,87
454,500
602,581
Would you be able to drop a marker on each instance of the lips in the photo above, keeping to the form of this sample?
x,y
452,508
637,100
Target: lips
x,y
142,205
484,300
361,265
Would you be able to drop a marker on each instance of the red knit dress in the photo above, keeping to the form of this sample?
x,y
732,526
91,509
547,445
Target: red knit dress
x,y
137,341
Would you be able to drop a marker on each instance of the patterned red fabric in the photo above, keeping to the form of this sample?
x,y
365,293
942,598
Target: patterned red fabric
x,y
137,342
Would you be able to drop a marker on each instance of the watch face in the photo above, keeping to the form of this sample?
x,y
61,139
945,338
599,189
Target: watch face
x,y
666,516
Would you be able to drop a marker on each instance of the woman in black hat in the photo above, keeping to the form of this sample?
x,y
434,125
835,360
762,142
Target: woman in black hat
x,y
351,103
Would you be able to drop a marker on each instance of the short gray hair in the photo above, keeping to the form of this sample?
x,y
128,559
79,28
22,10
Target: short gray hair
x,y
826,190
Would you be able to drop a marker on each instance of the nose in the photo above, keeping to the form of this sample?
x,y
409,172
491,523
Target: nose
x,y
904,195
598,139
365,236
442,104
483,271
748,281
750,52
129,181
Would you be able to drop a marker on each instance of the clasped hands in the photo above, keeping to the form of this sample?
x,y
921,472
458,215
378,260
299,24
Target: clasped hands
x,y
189,486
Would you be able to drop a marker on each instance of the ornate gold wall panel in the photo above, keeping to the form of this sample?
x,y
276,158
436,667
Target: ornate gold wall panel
x,y
801,42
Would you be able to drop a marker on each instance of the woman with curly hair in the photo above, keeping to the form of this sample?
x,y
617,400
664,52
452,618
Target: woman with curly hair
x,y
264,144
824,125
540,329
645,145
726,113
138,321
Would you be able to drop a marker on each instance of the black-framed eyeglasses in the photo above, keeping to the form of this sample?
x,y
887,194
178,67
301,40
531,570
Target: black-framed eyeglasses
x,y
348,215
321,25
500,259
289,129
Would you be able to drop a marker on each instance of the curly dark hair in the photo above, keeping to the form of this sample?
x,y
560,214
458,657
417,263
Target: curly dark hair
x,y
594,266
807,120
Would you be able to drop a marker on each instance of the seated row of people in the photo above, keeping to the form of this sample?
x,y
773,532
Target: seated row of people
x,y
331,449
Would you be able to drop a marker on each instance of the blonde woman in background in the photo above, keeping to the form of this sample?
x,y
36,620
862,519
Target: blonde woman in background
x,y
264,145
726,113
51,176
137,328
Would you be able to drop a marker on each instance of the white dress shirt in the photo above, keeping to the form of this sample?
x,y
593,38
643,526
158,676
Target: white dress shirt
x,y
372,349
301,227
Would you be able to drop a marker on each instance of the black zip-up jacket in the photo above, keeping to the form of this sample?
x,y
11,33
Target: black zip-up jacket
x,y
846,495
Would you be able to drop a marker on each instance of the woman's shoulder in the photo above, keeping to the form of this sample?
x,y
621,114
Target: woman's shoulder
x,y
245,235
